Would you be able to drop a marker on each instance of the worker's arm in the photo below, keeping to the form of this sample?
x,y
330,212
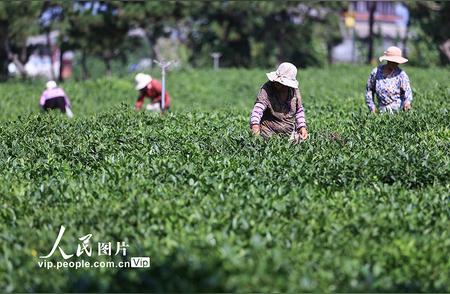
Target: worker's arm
x,y
300,120
42,100
370,90
139,102
258,111
405,88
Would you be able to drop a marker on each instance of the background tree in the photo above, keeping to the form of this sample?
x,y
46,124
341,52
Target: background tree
x,y
224,27
50,14
156,18
372,5
247,33
97,28
433,18
263,33
17,23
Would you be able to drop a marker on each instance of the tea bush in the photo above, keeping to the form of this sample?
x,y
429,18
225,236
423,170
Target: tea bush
x,y
362,206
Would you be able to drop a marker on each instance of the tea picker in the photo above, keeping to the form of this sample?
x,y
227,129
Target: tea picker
x,y
55,98
153,89
389,84
278,109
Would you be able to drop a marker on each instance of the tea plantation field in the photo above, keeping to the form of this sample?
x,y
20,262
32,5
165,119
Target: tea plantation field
x,y
363,205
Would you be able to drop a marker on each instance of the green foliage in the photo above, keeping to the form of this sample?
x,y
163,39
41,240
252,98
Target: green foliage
x,y
363,206
101,33
16,17
432,17
423,50
17,22
260,33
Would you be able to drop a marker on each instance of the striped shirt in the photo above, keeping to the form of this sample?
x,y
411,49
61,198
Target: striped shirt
x,y
275,115
392,89
53,93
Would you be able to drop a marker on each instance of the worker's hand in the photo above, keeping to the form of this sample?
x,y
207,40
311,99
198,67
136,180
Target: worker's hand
x,y
407,106
69,112
303,132
373,110
256,130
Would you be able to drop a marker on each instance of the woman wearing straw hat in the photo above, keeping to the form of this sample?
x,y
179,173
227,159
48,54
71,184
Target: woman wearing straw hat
x,y
389,83
151,88
278,108
55,98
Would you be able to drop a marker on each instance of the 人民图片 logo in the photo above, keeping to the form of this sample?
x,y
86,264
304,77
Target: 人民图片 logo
x,y
84,248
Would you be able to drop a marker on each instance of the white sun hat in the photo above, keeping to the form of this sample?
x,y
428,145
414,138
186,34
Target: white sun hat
x,y
393,54
51,85
142,80
285,74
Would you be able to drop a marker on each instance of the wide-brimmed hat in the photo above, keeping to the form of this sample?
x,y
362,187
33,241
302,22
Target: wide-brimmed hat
x,y
51,85
142,80
285,74
393,54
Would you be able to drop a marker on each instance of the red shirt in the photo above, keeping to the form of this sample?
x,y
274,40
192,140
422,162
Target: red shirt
x,y
153,91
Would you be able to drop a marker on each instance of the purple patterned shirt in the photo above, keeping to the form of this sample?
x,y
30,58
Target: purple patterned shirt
x,y
394,88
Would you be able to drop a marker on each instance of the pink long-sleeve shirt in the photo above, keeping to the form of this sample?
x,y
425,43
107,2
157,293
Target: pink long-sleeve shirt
x,y
53,93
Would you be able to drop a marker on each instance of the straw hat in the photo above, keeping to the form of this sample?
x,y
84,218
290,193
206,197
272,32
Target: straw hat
x,y
285,74
142,80
393,54
51,85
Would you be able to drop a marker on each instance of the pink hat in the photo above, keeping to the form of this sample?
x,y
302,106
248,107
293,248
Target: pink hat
x,y
393,54
285,74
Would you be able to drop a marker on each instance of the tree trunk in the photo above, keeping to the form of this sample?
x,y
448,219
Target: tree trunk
x,y
50,52
445,52
107,62
15,60
151,42
3,52
372,7
329,53
84,65
62,49
23,57
405,39
19,65
3,65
